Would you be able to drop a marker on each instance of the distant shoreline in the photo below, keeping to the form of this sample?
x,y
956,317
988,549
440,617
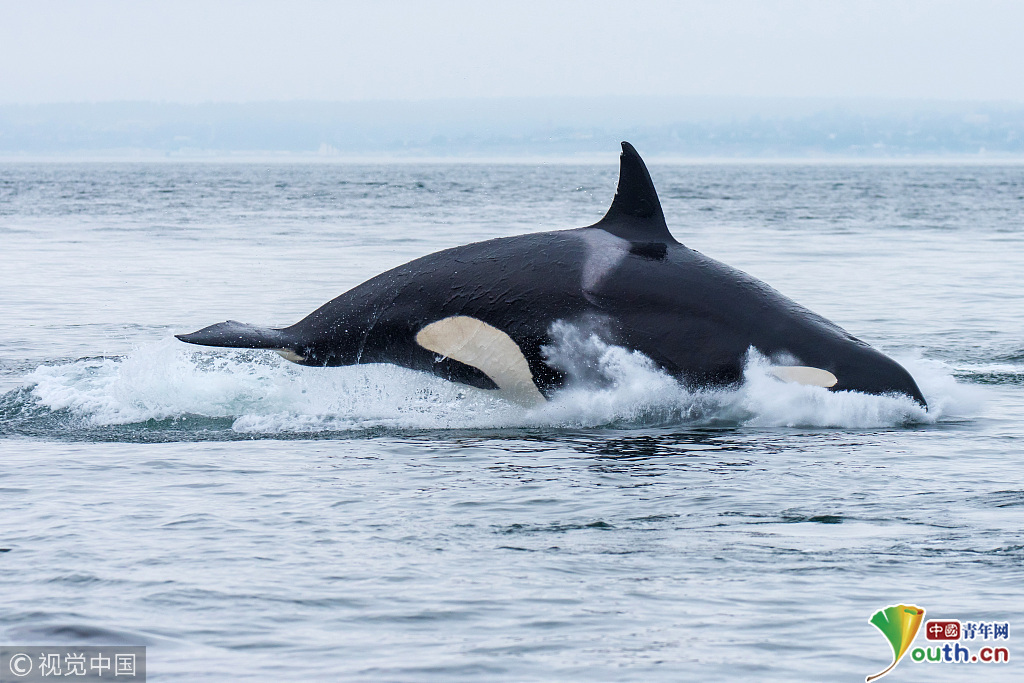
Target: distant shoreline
x,y
589,160
521,130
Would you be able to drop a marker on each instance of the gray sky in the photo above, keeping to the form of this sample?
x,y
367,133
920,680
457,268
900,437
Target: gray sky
x,y
256,51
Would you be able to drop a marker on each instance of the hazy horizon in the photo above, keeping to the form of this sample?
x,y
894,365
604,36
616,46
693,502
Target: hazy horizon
x,y
460,79
509,127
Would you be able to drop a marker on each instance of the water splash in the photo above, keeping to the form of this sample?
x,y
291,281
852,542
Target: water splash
x,y
608,386
625,388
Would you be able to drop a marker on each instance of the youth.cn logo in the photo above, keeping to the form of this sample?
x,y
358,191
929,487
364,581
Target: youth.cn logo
x,y
899,625
948,641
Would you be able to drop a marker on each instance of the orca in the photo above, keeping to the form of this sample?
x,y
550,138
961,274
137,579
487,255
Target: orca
x,y
483,314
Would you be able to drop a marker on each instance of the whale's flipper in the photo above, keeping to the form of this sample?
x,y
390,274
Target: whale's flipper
x,y
635,213
236,335
486,348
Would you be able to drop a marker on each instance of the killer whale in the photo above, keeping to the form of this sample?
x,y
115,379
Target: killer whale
x,y
482,314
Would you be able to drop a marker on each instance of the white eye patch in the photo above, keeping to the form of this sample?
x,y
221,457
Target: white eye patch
x,y
288,354
802,374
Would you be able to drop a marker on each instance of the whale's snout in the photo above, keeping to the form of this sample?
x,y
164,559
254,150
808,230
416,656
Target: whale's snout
x,y
876,373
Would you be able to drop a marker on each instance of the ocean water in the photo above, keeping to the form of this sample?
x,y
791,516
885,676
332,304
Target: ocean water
x,y
249,519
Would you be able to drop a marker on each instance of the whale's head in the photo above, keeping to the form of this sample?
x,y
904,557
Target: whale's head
x,y
841,362
869,371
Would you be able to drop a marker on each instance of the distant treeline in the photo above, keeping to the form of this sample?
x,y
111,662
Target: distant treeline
x,y
680,127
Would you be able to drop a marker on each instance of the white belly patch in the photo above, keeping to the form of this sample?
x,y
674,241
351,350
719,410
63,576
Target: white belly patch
x,y
802,374
487,349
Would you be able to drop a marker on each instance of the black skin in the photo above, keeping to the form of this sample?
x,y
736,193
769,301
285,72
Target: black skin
x,y
693,316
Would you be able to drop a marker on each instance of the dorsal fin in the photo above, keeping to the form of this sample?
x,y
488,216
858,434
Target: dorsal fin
x,y
635,214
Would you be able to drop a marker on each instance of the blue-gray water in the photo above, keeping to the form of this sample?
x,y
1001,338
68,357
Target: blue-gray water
x,y
250,519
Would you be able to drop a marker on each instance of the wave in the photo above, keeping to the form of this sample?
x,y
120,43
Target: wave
x,y
992,373
167,385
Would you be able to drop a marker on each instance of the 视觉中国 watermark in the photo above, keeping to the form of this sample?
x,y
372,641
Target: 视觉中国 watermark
x,y
80,663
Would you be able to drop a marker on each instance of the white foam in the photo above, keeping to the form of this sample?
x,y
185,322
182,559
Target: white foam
x,y
608,385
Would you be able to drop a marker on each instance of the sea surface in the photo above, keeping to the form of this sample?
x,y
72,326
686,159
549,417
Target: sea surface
x,y
249,519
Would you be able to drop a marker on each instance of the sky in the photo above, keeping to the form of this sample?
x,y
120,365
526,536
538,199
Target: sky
x,y
224,51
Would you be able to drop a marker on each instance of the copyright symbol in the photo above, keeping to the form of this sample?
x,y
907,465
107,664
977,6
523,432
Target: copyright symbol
x,y
21,664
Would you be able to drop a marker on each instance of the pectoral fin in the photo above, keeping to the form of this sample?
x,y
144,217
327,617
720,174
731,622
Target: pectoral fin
x,y
487,349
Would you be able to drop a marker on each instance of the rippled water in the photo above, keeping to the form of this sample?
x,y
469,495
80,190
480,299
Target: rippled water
x,y
247,518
